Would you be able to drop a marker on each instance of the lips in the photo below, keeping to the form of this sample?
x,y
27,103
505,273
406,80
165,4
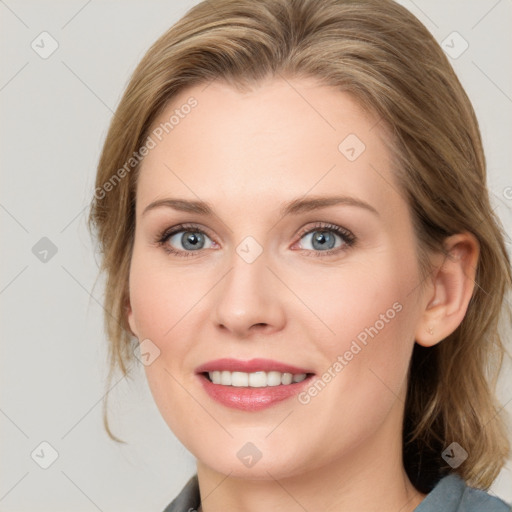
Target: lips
x,y
245,395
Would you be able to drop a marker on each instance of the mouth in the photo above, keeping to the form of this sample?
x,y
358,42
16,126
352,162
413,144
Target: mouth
x,y
251,385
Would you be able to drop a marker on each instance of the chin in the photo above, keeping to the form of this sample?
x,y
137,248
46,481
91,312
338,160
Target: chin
x,y
258,460
261,470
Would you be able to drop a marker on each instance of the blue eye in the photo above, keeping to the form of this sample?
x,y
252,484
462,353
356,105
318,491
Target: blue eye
x,y
323,239
327,239
184,240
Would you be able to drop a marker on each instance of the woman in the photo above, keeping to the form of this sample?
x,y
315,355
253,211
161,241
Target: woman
x,y
292,209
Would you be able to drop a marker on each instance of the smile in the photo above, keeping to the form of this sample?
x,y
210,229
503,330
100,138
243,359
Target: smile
x,y
251,385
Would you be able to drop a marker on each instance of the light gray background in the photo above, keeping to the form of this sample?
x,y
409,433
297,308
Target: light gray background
x,y
54,116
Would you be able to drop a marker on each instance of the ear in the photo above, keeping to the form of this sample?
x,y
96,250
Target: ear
x,y
453,282
131,320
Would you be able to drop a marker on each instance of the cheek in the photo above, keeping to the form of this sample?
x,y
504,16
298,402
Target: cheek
x,y
160,296
369,322
362,301
166,308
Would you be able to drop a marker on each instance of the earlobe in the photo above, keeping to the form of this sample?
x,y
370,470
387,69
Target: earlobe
x,y
453,283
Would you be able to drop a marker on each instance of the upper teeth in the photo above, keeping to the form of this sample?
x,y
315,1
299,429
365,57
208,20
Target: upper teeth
x,y
255,379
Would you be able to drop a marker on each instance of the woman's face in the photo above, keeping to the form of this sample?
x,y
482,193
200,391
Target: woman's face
x,y
297,250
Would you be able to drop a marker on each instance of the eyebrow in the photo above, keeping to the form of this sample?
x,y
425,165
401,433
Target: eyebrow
x,y
294,207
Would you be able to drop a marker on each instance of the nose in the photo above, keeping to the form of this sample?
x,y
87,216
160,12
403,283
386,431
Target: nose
x,y
248,300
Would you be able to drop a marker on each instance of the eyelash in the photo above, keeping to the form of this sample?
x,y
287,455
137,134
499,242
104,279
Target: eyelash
x,y
347,237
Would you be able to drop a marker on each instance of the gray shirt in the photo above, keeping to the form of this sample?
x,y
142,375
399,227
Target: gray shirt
x,y
451,494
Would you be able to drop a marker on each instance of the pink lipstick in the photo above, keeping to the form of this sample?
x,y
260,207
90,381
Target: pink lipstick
x,y
251,385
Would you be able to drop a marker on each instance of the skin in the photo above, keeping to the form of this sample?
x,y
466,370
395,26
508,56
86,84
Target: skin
x,y
248,153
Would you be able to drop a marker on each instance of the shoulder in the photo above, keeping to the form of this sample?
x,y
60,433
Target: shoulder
x,y
452,494
188,500
477,500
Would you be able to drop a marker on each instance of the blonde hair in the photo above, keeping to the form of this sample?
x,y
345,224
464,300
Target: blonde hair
x,y
384,57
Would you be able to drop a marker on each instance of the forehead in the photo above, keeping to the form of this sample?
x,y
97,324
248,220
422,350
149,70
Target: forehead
x,y
278,140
